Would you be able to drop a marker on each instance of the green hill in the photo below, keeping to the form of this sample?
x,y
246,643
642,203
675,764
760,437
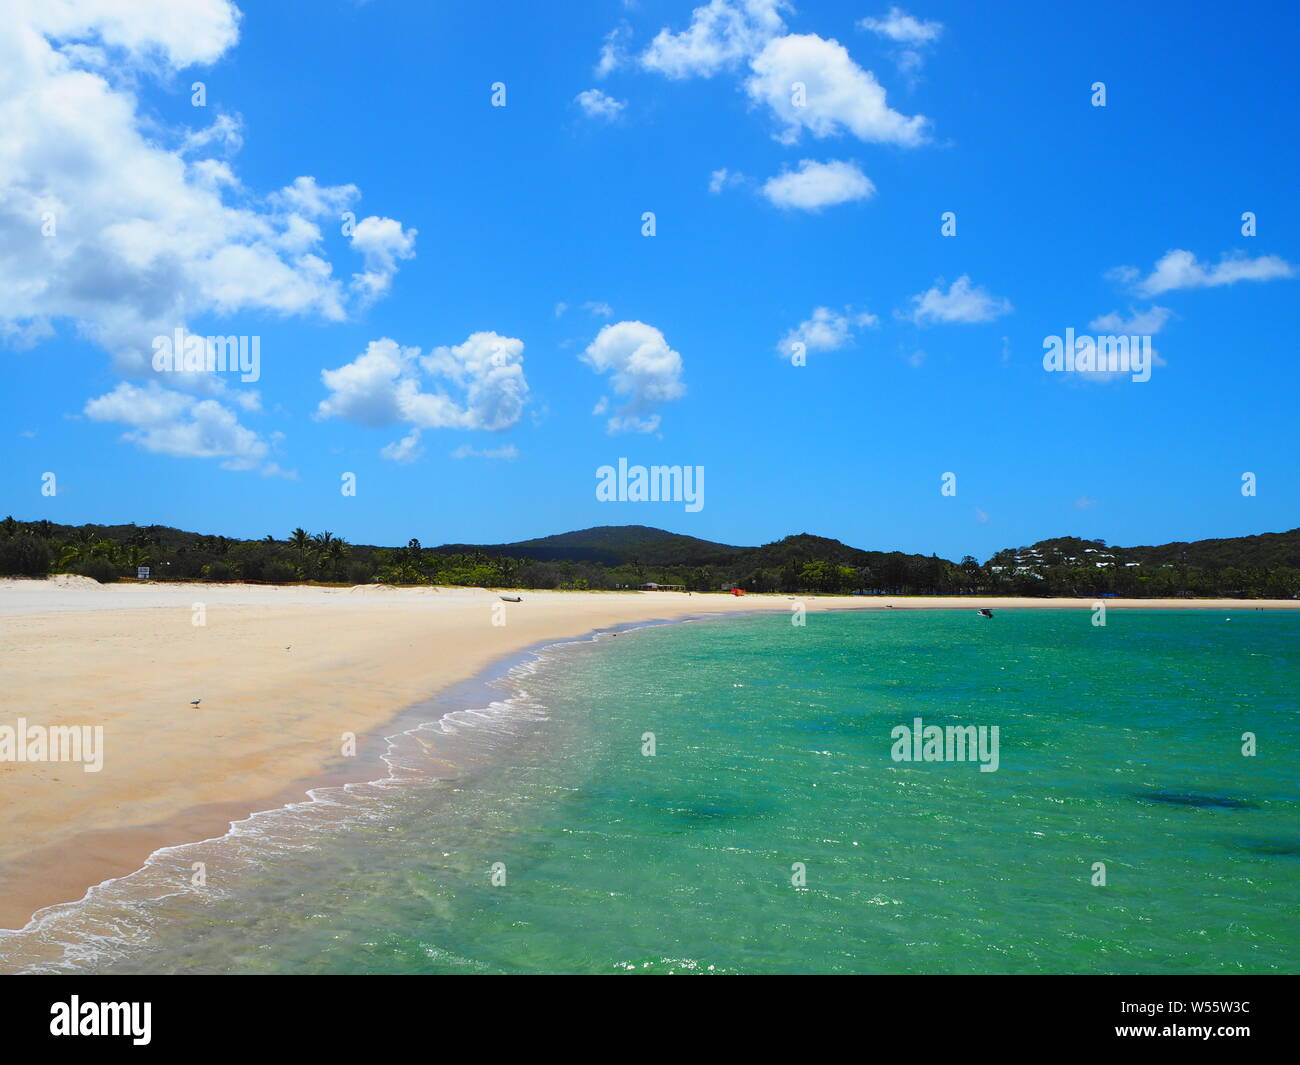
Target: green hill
x,y
610,545
1267,550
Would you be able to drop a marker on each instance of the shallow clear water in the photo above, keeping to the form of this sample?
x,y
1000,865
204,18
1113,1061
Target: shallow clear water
x,y
1119,745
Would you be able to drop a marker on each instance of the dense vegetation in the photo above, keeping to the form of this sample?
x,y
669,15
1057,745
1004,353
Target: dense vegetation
x,y
615,557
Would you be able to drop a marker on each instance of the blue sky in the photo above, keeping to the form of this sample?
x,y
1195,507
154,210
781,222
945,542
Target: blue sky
x,y
505,244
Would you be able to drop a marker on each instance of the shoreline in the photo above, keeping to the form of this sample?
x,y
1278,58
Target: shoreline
x,y
66,831
215,823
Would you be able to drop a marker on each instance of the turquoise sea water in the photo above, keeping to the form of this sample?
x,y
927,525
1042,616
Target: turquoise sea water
x,y
1118,744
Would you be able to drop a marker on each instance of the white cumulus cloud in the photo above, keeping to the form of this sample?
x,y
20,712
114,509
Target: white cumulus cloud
x,y
911,34
721,33
644,372
479,384
1145,323
1136,323
598,104
816,185
612,53
406,450
183,31
383,242
963,302
839,97
1179,269
126,229
724,179
825,330
809,83
173,423
902,28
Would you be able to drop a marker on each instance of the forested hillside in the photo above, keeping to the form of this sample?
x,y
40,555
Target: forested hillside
x,y
629,556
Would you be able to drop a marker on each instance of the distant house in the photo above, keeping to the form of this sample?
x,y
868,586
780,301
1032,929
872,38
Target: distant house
x,y
650,586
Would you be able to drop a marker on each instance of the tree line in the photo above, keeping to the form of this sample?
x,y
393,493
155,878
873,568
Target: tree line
x,y
796,565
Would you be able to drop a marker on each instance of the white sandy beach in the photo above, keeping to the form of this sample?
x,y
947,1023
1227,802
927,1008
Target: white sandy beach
x,y
283,673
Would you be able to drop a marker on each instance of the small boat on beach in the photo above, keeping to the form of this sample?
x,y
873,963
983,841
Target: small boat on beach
x,y
511,598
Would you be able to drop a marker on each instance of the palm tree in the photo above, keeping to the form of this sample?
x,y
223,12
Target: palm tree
x,y
300,539
134,557
318,548
83,546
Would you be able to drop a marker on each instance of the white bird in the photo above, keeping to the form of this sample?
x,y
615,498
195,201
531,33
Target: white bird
x,y
195,703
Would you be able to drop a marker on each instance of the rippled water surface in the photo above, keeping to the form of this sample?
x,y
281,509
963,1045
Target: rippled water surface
x,y
1120,745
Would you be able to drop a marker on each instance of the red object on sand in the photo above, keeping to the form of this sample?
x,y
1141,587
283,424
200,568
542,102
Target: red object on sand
x,y
737,591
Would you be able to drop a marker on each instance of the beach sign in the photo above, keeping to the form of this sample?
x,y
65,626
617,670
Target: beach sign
x,y
142,573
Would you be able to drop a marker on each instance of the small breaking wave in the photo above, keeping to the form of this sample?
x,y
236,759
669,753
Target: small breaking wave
x,y
116,919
